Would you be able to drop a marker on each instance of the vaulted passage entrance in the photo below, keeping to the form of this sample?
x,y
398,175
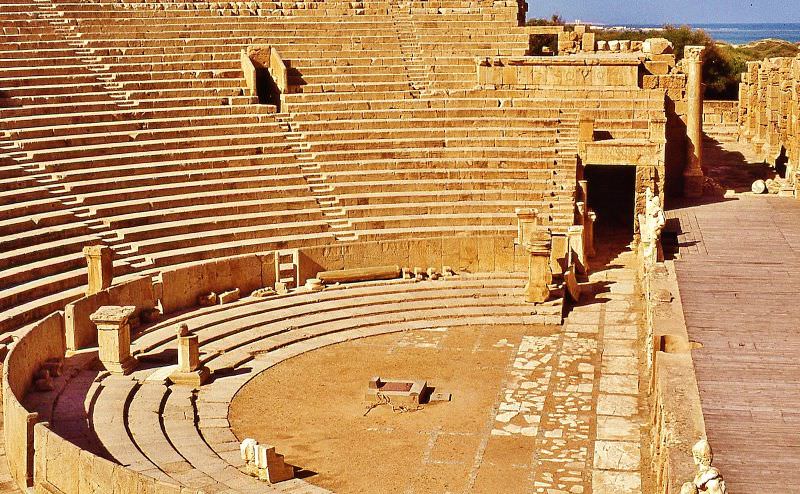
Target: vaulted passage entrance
x,y
612,196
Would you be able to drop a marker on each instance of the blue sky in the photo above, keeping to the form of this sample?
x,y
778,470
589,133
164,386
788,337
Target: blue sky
x,y
669,11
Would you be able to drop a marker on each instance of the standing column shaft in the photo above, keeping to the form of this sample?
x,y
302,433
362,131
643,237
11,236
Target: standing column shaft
x,y
693,175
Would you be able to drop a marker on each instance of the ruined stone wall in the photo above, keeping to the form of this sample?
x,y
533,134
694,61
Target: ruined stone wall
x,y
717,113
769,111
662,73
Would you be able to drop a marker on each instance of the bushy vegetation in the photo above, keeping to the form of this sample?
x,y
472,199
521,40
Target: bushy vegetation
x,y
723,64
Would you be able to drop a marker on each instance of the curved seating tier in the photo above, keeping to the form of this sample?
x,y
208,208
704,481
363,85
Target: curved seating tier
x,y
171,433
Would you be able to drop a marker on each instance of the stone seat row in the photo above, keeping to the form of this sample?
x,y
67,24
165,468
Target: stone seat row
x,y
240,232
139,130
95,93
499,121
70,78
172,105
138,114
117,153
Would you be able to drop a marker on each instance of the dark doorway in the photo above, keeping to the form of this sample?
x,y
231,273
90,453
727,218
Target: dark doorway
x,y
612,196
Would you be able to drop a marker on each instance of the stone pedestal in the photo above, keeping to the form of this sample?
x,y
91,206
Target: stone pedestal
x,y
693,174
537,243
537,290
114,338
189,371
578,248
100,264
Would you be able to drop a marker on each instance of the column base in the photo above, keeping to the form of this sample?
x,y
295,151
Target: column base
x,y
693,186
125,367
194,379
536,294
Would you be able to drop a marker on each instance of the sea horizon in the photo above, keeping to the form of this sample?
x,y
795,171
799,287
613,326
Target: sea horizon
x,y
734,33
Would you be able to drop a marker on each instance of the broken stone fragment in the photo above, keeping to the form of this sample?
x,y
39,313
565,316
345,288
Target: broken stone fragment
x,y
263,292
207,300
229,296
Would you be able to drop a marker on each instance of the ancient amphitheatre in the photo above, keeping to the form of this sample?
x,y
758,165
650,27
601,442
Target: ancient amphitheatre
x,y
367,246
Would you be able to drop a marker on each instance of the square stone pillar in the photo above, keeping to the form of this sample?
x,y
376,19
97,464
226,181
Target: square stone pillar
x,y
578,248
537,243
100,263
114,338
189,371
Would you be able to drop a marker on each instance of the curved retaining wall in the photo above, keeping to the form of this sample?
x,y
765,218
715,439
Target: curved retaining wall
x,y
41,342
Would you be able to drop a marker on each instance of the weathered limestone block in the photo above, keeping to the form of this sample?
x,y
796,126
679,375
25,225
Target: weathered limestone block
x,y
229,296
588,42
100,264
114,338
657,46
263,462
359,274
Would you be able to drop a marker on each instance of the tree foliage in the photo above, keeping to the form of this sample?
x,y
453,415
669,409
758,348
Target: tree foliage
x,y
723,64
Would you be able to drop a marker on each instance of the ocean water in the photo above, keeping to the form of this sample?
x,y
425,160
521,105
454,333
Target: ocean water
x,y
739,34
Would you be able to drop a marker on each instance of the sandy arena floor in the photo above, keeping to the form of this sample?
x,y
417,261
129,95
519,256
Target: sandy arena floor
x,y
319,422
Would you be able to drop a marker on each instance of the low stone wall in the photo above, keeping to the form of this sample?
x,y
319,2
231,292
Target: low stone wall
x,y
463,254
180,287
724,113
41,342
80,332
62,467
522,73
677,414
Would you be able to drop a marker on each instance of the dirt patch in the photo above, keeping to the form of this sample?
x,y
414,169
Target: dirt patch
x,y
312,408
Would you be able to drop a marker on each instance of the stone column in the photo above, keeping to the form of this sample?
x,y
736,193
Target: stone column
x,y
189,371
693,174
100,263
537,243
589,226
114,338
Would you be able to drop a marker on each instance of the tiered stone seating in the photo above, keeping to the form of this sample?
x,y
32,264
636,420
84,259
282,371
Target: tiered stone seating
x,y
143,424
130,124
141,140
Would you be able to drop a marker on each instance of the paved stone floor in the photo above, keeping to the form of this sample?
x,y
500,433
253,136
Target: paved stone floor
x,y
739,276
565,415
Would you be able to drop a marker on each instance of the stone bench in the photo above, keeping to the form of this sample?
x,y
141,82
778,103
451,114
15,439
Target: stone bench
x,y
181,142
132,132
107,197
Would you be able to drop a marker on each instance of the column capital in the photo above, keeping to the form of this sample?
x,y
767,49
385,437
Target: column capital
x,y
693,53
